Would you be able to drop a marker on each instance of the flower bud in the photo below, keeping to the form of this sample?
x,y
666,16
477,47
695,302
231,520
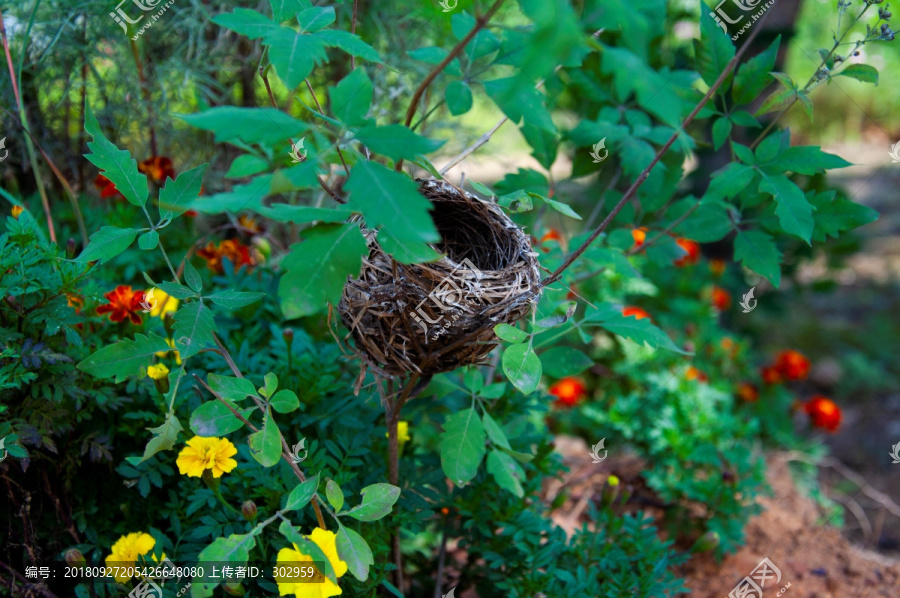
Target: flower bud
x,y
70,249
288,335
74,558
248,510
706,542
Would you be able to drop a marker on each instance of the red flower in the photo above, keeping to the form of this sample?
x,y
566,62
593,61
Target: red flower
x,y
695,374
158,168
123,303
637,312
234,250
107,188
639,235
823,413
772,375
793,365
569,391
552,235
693,252
747,392
721,299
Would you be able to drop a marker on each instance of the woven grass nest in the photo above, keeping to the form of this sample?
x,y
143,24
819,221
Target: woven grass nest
x,y
435,317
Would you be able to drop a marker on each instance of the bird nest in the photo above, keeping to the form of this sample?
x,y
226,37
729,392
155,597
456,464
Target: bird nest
x,y
435,317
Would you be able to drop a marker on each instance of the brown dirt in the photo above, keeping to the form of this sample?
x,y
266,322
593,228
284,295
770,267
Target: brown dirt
x,y
813,556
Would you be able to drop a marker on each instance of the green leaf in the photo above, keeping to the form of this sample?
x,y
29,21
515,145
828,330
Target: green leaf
x,y
391,201
753,76
484,41
558,206
234,299
506,472
793,210
247,22
107,243
115,164
523,367
185,188
353,550
729,181
283,10
148,240
302,494
769,149
758,252
213,418
834,216
860,72
230,388
777,100
164,437
194,329
377,500
494,431
265,445
285,401
283,212
317,269
246,165
639,331
235,550
459,98
713,50
509,333
250,125
518,99
192,277
743,119
708,223
436,55
271,384
349,43
294,54
721,129
124,358
563,361
351,97
174,289
743,153
809,159
334,495
315,18
462,446
396,142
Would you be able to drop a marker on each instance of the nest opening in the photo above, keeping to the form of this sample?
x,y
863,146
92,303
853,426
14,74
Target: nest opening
x,y
435,317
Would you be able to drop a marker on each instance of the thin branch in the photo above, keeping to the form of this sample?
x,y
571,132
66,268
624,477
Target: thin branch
x,y
352,30
664,232
319,106
659,154
472,148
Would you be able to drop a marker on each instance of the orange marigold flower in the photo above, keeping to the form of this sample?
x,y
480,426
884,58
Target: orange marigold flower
x,y
747,392
158,169
249,224
639,235
552,235
727,343
717,267
234,250
823,413
75,302
793,365
16,211
637,312
721,299
569,391
122,303
107,188
695,374
771,375
693,252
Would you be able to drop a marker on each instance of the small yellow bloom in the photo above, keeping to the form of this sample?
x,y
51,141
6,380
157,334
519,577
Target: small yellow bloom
x,y
402,432
16,210
612,480
158,371
203,453
126,550
164,303
164,354
321,586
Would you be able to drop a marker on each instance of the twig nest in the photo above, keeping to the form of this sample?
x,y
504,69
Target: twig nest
x,y
436,317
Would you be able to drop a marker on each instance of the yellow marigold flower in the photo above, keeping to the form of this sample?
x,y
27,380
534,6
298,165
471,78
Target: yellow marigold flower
x,y
16,210
158,371
321,586
612,480
203,453
402,432
163,354
164,303
126,550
